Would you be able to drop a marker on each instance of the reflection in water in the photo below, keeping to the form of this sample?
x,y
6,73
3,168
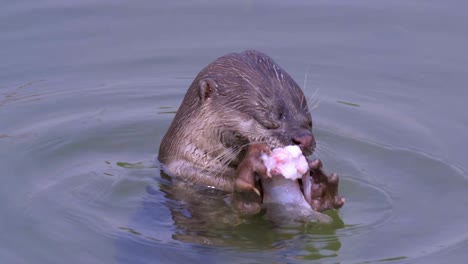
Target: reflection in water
x,y
203,216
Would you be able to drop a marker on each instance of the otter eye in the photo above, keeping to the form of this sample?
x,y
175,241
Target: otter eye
x,y
271,125
273,120
267,120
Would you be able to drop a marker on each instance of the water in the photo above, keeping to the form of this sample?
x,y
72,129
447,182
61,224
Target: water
x,y
88,89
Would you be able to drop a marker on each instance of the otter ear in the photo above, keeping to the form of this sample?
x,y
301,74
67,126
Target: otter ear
x,y
206,87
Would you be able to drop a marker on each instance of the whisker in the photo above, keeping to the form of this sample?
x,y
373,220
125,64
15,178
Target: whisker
x,y
304,86
219,164
314,100
323,149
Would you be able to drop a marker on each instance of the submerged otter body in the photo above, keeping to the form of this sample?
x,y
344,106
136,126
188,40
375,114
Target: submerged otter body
x,y
238,107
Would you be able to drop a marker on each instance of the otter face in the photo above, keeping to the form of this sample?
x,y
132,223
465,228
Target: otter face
x,y
257,101
287,120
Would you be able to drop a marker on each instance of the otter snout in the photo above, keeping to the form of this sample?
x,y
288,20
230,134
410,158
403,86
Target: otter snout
x,y
305,140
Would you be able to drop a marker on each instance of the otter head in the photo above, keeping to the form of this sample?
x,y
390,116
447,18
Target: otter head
x,y
253,100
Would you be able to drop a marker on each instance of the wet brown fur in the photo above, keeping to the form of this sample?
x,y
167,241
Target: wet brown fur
x,y
237,100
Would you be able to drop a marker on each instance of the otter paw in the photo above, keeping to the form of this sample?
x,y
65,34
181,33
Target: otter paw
x,y
251,164
324,188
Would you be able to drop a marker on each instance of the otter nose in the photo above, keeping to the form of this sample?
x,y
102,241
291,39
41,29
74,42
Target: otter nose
x,y
304,139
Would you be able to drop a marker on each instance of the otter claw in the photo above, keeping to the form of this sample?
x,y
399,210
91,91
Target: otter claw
x,y
256,191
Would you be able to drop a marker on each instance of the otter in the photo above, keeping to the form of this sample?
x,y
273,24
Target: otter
x,y
240,106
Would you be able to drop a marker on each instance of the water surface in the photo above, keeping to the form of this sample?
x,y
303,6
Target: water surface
x,y
88,89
